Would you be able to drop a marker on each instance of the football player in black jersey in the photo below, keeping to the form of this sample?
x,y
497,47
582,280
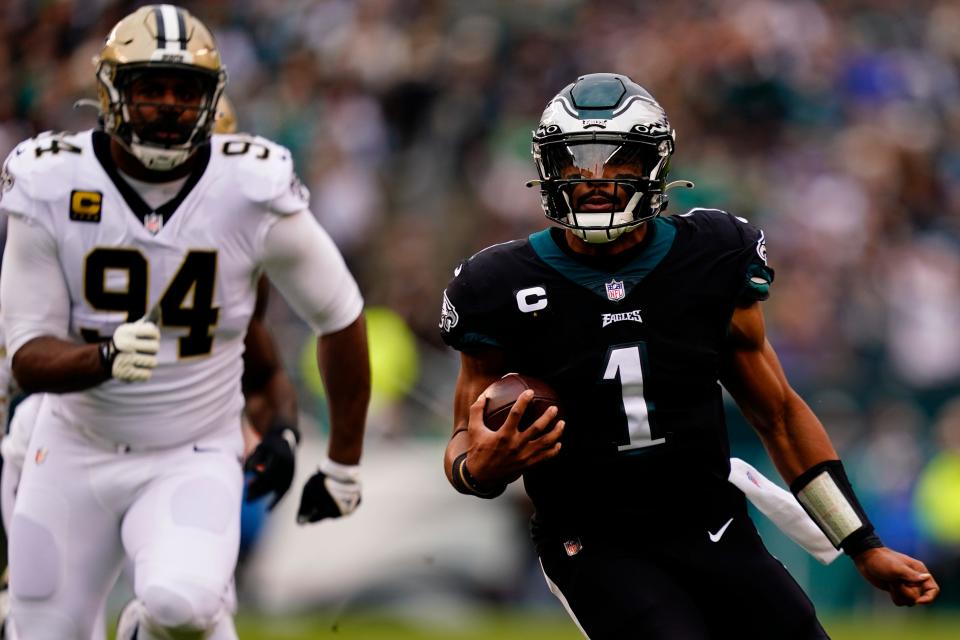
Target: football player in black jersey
x,y
636,320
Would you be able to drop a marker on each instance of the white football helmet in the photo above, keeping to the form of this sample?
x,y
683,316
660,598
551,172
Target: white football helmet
x,y
604,130
158,37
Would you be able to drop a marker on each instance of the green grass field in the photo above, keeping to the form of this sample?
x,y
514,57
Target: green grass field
x,y
532,627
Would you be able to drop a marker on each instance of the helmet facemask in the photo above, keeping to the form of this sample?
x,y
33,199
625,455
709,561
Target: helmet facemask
x,y
159,134
602,185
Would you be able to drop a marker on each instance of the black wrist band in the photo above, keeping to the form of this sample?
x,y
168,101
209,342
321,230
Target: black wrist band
x,y
858,542
108,353
465,483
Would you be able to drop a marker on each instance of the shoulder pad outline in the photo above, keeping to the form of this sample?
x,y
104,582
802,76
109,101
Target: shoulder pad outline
x,y
37,164
264,170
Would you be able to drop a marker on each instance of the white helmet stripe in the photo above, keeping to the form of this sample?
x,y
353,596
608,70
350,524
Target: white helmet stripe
x,y
566,105
629,101
182,26
169,27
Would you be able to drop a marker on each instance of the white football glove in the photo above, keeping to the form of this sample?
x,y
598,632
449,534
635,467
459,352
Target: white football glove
x,y
132,352
333,491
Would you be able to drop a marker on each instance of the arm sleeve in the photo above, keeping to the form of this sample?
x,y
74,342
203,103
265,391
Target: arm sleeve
x,y
34,300
302,261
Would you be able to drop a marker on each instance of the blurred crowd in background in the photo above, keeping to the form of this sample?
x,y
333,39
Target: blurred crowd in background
x,y
835,126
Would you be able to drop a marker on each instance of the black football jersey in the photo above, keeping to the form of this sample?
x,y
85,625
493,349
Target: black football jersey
x,y
632,345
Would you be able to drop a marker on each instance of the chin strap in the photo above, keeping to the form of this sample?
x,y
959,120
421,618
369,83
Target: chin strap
x,y
159,159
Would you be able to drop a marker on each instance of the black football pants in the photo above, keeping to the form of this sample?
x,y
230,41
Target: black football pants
x,y
687,587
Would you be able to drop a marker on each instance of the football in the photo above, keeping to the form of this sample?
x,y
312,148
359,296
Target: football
x,y
504,392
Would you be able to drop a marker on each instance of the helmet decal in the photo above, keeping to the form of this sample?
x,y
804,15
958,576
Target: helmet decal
x,y
171,26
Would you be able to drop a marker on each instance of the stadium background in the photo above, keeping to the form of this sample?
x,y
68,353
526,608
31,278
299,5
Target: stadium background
x,y
833,125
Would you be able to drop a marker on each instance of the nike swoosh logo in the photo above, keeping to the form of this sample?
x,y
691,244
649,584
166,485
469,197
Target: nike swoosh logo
x,y
715,537
197,449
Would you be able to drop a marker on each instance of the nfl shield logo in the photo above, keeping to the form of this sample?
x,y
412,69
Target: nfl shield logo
x,y
615,290
153,222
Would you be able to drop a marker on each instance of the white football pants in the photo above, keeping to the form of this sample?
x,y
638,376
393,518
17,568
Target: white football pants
x,y
84,504
14,448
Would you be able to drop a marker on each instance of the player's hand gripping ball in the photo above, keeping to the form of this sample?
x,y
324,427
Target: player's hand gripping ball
x,y
502,394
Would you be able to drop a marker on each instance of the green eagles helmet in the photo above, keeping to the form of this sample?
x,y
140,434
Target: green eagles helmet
x,y
604,130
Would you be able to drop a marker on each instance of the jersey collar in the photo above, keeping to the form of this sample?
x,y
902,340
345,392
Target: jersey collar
x,y
595,279
101,149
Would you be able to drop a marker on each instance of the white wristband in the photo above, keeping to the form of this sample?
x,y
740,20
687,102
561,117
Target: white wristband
x,y
341,472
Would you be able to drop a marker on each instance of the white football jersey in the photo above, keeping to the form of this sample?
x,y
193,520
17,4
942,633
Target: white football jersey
x,y
191,266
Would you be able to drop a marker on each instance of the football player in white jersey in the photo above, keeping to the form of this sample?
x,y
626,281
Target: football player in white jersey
x,y
128,283
270,411
270,428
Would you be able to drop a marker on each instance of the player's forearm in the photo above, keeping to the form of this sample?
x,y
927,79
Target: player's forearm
x,y
271,397
795,439
345,367
478,369
457,445
283,397
803,454
273,403
793,436
468,389
51,365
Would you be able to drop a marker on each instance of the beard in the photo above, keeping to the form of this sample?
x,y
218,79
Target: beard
x,y
168,126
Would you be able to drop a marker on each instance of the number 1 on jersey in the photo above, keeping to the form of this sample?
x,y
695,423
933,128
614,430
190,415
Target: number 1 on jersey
x,y
626,363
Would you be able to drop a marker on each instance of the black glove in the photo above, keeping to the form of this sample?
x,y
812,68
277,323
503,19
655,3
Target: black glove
x,y
333,491
269,469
